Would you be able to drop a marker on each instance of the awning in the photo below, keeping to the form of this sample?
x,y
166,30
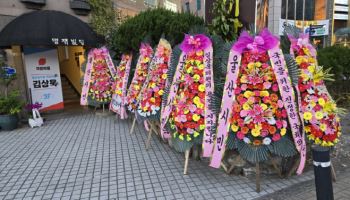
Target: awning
x,y
48,28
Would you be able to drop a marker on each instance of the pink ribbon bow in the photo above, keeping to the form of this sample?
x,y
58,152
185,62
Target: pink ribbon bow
x,y
302,41
260,43
145,49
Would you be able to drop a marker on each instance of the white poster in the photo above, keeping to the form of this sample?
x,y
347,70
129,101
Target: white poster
x,y
43,76
314,28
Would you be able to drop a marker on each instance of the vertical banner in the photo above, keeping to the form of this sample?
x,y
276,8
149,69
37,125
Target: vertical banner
x,y
43,76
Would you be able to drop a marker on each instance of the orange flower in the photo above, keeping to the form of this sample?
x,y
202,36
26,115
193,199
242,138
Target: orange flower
x,y
244,130
272,130
236,107
256,142
274,97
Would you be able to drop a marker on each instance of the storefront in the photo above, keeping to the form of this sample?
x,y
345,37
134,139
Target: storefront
x,y
49,62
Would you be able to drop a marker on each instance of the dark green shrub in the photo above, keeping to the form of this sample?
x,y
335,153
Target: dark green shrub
x,y
337,58
152,24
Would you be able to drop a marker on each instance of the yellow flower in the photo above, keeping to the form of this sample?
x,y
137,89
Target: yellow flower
x,y
164,76
201,87
161,92
258,64
195,134
304,77
144,109
137,87
186,111
321,101
153,85
196,100
200,106
283,131
307,129
317,141
312,103
196,77
146,59
234,128
195,117
311,68
189,70
306,51
188,138
246,106
200,53
152,100
307,115
251,66
248,94
323,127
264,93
255,132
311,60
201,66
181,137
319,115
201,127
300,59
244,79
264,106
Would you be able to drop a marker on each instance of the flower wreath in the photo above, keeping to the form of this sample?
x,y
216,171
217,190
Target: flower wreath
x,y
258,105
117,104
189,118
321,123
98,78
153,90
139,78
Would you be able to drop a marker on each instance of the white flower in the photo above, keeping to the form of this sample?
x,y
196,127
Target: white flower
x,y
246,140
266,141
271,120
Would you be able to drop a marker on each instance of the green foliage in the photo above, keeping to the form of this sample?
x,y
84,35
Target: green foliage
x,y
102,17
225,23
11,104
153,24
337,58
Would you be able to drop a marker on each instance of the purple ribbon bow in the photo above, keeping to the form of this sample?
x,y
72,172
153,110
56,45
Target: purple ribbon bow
x,y
195,43
260,43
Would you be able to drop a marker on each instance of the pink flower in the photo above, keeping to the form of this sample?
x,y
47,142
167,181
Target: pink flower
x,y
279,124
240,135
264,133
267,85
244,87
258,119
237,90
276,137
275,87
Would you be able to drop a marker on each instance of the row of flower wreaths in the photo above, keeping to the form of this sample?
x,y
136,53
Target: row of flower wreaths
x,y
262,110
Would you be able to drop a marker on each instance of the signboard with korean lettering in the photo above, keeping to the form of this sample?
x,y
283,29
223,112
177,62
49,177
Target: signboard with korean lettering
x,y
43,77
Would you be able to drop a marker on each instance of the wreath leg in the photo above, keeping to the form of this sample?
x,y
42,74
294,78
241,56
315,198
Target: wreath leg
x,y
257,183
187,155
149,138
133,125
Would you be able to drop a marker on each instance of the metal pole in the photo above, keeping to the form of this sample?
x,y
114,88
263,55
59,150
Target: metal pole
x,y
295,12
286,10
303,14
322,171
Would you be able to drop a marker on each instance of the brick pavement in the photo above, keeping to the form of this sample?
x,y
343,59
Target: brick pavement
x,y
306,190
91,157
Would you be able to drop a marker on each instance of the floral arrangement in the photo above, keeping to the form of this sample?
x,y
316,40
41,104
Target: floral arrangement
x,y
140,76
258,105
188,115
118,100
29,107
101,80
258,114
153,90
321,123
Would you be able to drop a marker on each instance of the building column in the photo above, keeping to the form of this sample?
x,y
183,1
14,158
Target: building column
x,y
275,7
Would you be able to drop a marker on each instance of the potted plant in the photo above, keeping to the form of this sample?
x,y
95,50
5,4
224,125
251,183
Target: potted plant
x,y
10,102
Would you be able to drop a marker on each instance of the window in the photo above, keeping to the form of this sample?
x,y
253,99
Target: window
x,y
150,3
199,4
187,6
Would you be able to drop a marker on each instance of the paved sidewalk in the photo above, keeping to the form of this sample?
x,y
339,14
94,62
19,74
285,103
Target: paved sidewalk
x,y
91,157
306,190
